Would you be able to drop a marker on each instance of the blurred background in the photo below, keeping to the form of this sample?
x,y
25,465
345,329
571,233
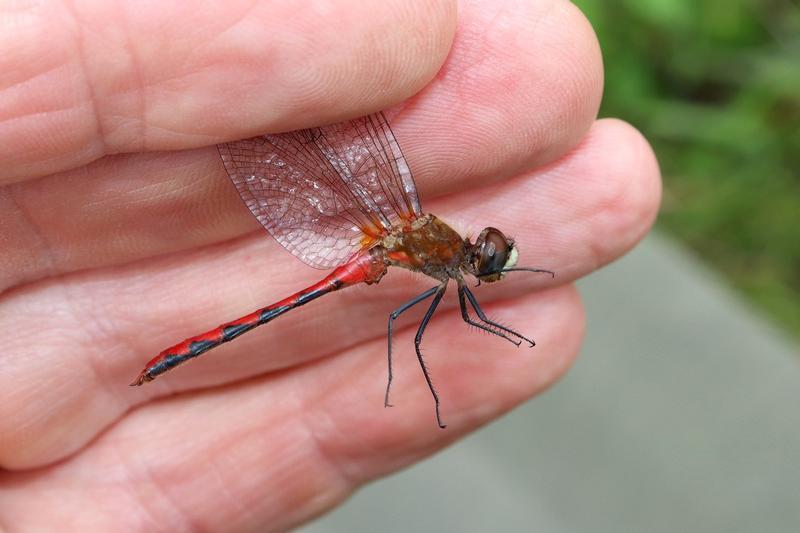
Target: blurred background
x,y
715,86
683,412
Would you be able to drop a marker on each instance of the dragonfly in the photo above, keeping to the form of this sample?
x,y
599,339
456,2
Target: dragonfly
x,y
342,197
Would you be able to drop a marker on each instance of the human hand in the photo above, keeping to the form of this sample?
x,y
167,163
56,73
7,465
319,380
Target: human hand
x,y
108,259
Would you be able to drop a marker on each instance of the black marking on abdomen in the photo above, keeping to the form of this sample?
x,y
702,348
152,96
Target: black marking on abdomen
x,y
198,347
231,332
268,314
169,362
307,297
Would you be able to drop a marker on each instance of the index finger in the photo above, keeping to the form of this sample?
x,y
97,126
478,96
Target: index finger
x,y
118,78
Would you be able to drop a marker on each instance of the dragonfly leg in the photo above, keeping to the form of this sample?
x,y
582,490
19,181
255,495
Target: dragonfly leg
x,y
418,340
392,317
463,290
465,315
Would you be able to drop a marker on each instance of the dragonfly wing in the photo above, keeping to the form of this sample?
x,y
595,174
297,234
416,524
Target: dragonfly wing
x,y
368,151
325,193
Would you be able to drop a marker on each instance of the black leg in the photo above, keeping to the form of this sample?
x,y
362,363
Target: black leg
x,y
396,313
482,316
468,320
418,341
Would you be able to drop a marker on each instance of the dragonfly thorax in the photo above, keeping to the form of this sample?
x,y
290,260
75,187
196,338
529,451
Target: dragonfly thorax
x,y
429,246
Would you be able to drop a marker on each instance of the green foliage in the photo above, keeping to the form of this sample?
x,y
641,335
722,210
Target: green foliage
x,y
715,86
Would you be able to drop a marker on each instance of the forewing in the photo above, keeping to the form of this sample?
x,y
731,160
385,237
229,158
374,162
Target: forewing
x,y
324,193
366,152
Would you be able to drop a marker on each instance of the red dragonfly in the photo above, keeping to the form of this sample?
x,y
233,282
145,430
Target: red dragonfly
x,y
343,196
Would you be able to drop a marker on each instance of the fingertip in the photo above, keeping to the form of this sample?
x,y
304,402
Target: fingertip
x,y
518,96
627,205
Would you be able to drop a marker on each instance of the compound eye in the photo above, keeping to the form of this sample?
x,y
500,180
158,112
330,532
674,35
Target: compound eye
x,y
493,253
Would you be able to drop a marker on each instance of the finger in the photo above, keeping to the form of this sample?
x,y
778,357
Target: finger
x,y
78,339
463,131
116,210
521,87
277,451
87,79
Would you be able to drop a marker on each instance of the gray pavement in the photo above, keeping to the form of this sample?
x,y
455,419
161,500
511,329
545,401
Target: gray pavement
x,y
681,415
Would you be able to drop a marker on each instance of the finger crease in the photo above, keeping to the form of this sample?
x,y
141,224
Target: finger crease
x,y
136,488
136,75
100,135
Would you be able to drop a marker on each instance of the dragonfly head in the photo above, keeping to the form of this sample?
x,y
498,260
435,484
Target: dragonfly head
x,y
494,254
491,254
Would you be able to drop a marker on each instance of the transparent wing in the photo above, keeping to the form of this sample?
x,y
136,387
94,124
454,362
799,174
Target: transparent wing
x,y
326,192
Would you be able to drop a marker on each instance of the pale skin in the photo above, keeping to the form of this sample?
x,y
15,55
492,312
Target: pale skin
x,y
121,235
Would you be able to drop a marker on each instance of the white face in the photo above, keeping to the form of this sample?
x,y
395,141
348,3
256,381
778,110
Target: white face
x,y
513,255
